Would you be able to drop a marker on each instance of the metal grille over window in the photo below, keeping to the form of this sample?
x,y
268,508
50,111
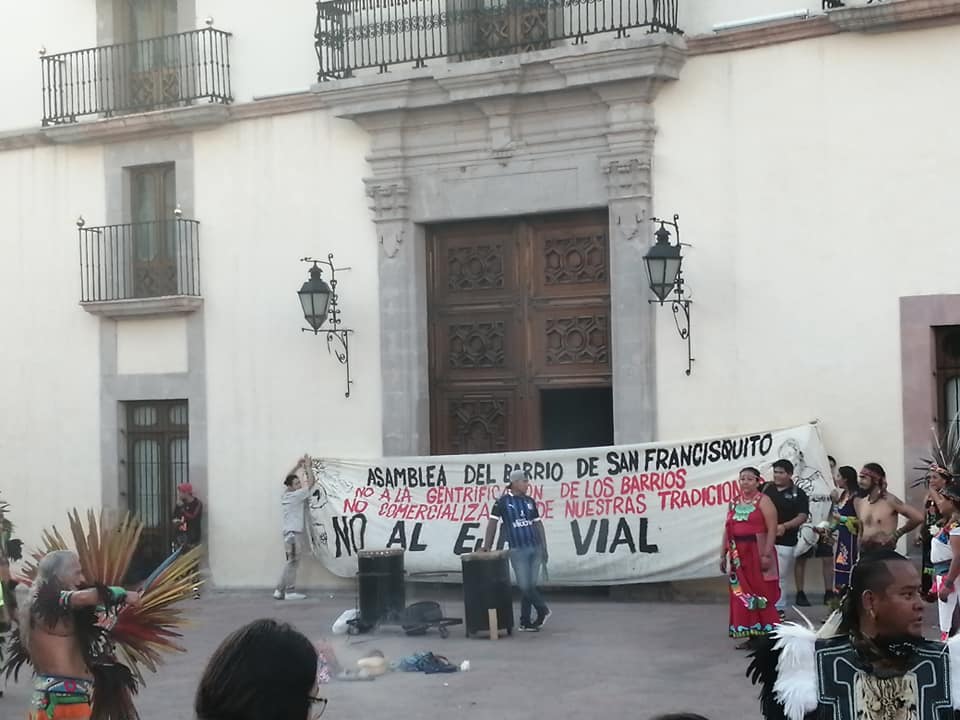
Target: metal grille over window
x,y
158,460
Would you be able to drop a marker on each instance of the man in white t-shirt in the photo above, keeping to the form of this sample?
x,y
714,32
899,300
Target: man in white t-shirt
x,y
294,506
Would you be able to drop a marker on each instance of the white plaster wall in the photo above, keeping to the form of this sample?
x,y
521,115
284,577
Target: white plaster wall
x,y
152,345
271,51
816,183
49,373
269,192
25,27
699,16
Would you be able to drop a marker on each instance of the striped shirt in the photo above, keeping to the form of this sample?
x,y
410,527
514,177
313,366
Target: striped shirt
x,y
519,515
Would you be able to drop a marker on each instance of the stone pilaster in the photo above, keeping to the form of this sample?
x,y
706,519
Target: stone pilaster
x,y
632,316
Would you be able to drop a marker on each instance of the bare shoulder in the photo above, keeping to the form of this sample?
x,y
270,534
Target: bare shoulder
x,y
893,500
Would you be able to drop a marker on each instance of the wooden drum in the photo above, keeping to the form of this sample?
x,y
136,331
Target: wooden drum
x,y
382,583
486,586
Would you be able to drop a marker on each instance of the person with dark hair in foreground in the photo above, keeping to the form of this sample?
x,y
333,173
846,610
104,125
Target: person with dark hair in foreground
x,y
264,671
868,662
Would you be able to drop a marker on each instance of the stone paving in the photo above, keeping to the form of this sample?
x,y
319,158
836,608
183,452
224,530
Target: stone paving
x,y
596,658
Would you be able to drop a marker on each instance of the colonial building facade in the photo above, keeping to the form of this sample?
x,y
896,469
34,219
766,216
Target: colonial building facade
x,y
486,184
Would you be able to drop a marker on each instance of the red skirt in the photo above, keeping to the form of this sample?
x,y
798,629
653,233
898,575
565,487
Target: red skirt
x,y
752,597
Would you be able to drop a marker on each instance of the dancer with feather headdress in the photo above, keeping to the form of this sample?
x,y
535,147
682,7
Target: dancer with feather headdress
x,y
84,635
939,469
10,549
868,662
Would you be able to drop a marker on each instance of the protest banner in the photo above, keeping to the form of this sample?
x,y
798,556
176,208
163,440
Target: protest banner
x,y
615,515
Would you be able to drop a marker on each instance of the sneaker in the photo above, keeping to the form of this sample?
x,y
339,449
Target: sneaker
x,y
828,597
277,595
542,620
295,596
802,599
528,627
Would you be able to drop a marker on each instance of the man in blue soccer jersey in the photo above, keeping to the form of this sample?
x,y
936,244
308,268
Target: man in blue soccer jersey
x,y
523,530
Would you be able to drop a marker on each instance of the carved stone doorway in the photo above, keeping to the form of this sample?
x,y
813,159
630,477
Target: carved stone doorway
x,y
519,326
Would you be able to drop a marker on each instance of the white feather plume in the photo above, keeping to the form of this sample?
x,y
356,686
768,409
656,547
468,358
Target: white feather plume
x,y
953,646
831,626
796,685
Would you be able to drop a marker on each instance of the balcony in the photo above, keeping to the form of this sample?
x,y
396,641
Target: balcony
x,y
357,34
146,268
158,73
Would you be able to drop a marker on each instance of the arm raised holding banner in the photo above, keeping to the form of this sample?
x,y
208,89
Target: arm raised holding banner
x,y
307,463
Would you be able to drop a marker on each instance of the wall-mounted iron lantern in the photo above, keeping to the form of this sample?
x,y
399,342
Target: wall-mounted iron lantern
x,y
320,302
664,263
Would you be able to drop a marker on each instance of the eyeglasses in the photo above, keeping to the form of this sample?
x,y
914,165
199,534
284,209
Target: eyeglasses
x,y
318,704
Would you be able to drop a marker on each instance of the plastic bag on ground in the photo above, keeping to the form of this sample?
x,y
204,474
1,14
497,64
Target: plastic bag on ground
x,y
341,626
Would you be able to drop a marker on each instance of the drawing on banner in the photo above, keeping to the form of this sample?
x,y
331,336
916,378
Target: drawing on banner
x,y
614,515
810,480
807,478
317,530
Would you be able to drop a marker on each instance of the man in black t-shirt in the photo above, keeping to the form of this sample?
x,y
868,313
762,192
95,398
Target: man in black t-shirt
x,y
793,509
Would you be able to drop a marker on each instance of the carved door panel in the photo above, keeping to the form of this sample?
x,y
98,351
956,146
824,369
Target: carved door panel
x,y
514,309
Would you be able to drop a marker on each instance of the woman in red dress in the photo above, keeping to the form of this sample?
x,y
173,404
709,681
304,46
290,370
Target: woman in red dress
x,y
749,561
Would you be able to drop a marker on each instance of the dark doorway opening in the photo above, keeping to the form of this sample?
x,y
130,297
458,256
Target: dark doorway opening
x,y
576,417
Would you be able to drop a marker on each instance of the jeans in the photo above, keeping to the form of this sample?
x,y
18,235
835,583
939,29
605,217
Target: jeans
x,y
786,557
292,547
526,563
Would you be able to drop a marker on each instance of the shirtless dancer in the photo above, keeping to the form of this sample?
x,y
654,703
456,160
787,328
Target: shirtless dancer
x,y
51,632
878,511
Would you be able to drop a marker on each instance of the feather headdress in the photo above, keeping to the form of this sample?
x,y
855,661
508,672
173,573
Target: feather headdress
x,y
120,643
784,666
944,453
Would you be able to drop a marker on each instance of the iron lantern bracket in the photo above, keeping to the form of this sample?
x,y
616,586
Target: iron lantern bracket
x,y
338,337
680,305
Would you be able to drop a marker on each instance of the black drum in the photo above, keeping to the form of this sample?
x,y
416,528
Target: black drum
x,y
383,593
486,586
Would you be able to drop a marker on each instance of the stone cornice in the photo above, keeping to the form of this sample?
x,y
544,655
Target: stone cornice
x,y
159,122
901,15
645,63
126,127
23,138
754,37
881,17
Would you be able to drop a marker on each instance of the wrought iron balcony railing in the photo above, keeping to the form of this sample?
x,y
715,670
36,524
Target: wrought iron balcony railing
x,y
161,72
356,34
140,260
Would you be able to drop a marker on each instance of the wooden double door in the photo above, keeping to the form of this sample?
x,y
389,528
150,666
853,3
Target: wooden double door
x,y
519,320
